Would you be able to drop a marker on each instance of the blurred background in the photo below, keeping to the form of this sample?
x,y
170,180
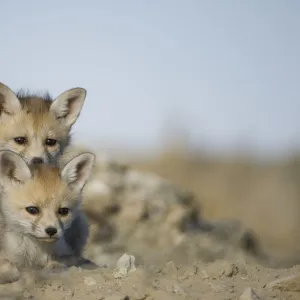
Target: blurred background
x,y
204,93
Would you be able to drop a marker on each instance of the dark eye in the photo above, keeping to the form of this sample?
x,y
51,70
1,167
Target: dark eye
x,y
33,210
50,142
21,140
63,211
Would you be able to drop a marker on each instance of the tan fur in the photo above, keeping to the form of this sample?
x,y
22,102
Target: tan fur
x,y
23,238
38,118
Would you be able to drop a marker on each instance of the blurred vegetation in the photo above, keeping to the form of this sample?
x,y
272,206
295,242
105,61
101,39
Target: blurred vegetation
x,y
263,195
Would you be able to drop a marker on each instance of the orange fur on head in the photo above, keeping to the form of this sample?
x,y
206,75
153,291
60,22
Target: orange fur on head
x,y
45,188
35,126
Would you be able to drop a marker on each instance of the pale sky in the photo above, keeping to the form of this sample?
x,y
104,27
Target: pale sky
x,y
229,69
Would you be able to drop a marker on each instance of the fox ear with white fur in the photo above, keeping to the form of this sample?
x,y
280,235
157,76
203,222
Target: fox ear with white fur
x,y
13,167
67,106
77,171
9,102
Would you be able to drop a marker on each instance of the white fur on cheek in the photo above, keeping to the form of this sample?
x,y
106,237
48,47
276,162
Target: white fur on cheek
x,y
15,219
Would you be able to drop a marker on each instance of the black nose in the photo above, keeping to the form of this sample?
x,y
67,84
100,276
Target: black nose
x,y
37,160
51,231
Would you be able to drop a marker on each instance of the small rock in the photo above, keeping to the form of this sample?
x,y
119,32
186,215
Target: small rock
x,y
249,294
89,281
125,265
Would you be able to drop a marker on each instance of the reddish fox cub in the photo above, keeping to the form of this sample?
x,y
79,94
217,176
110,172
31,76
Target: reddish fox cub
x,y
38,205
37,127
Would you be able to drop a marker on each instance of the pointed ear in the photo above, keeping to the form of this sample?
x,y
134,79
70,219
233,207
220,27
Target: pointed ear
x,y
13,167
9,102
77,171
67,106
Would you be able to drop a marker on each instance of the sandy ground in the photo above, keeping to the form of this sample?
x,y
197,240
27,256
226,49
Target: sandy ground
x,y
221,279
211,231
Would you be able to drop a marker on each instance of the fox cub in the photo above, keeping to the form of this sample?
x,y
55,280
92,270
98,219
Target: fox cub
x,y
39,203
37,127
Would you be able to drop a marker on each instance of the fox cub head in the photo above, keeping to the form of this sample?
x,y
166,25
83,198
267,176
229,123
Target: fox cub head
x,y
37,127
41,201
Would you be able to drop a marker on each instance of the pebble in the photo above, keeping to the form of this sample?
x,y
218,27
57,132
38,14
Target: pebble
x,y
89,281
125,265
